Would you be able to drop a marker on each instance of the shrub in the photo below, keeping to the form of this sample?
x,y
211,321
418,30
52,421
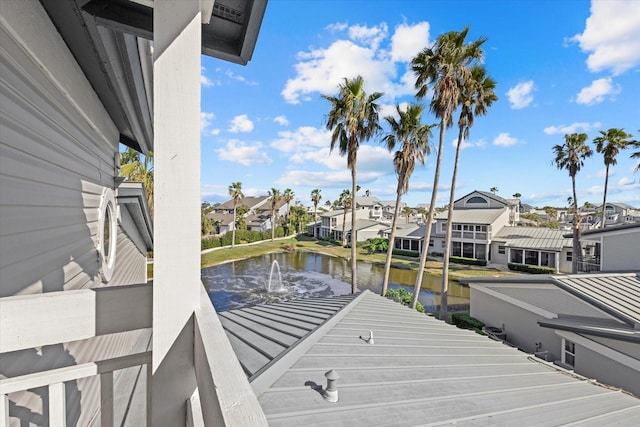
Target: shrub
x,y
378,244
533,269
468,261
210,242
464,321
404,297
403,252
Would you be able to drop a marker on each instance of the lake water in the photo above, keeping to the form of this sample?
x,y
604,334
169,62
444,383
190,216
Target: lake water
x,y
304,274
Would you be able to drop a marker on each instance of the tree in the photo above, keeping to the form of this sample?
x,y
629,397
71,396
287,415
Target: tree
x,y
517,195
367,193
288,196
441,67
494,190
571,156
235,191
407,212
315,198
636,154
345,200
352,119
477,94
275,196
609,144
241,222
414,137
137,167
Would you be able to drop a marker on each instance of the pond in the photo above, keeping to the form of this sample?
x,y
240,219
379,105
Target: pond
x,y
304,274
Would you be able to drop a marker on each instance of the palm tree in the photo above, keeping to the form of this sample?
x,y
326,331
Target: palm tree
x,y
353,119
477,95
345,200
137,167
571,156
414,137
494,190
636,155
407,212
609,144
235,191
517,195
275,196
315,198
442,67
288,196
367,193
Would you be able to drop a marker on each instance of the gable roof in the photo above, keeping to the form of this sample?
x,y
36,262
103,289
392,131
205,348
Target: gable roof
x,y
533,237
367,201
486,194
611,229
420,370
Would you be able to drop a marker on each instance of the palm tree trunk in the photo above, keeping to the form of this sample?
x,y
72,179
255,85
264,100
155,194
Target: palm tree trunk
x,y
576,231
444,289
432,208
233,232
273,225
604,200
392,237
344,225
354,238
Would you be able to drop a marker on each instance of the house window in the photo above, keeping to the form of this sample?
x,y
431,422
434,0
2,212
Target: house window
x,y
531,257
442,243
107,233
430,243
569,256
516,256
569,353
467,250
476,199
456,248
501,250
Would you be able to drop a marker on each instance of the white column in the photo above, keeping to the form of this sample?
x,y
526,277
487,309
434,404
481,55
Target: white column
x,y
176,287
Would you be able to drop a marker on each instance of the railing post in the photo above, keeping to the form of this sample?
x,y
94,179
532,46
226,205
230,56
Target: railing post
x,y
57,405
106,399
4,410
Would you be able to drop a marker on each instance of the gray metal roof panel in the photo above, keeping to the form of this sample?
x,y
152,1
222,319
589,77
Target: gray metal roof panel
x,y
393,381
533,237
473,216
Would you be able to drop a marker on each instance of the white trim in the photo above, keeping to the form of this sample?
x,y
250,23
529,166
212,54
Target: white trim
x,y
107,256
605,351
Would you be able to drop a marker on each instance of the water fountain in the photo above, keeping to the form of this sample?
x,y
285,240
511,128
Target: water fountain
x,y
280,288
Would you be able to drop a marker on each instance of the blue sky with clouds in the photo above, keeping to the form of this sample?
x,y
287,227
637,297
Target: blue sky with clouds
x,y
562,66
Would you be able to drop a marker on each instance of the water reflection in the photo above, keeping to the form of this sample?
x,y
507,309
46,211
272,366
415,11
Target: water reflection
x,y
304,274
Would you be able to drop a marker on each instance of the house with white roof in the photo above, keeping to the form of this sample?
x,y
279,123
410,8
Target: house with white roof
x,y
615,248
588,323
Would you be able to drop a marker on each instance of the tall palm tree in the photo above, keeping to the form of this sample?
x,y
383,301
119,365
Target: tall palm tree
x,y
315,199
494,190
137,167
235,191
571,156
477,95
353,119
441,67
636,154
288,195
414,137
275,196
346,201
609,144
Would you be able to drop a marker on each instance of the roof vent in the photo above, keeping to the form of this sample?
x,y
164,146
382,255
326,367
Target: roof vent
x,y
331,392
368,340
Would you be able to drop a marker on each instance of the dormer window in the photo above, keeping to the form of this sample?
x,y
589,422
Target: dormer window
x,y
477,199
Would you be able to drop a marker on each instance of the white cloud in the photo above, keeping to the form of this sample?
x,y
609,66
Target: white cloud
x,y
240,123
243,153
281,120
612,36
597,92
206,120
370,36
625,181
242,79
304,138
505,140
408,41
572,128
520,96
481,143
206,81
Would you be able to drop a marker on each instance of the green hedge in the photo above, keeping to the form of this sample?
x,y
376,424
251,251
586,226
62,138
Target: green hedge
x,y
464,321
468,261
403,252
404,297
533,269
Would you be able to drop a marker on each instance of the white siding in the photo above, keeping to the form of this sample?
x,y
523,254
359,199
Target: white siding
x,y
57,151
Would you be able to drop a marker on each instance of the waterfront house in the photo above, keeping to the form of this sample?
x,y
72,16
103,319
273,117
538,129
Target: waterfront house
x,y
76,314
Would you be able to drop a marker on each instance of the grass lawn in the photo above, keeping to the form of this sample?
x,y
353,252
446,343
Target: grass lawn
x,y
309,244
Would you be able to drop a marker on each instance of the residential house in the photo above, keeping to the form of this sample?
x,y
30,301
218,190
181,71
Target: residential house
x,y
76,311
617,213
614,249
587,323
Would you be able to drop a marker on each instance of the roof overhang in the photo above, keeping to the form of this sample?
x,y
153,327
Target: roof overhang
x,y
133,197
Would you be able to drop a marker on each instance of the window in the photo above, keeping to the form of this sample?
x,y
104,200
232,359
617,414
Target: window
x,y
430,243
456,248
569,256
467,250
531,257
569,353
107,233
442,243
501,250
516,256
477,199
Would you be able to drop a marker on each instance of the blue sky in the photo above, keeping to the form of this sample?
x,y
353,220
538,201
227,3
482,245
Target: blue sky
x,y
561,66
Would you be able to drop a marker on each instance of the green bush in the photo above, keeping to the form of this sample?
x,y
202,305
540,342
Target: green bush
x,y
210,242
468,261
533,269
464,321
378,244
403,252
404,297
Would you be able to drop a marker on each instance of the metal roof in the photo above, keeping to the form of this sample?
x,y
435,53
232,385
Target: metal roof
x,y
260,333
473,216
533,238
616,294
421,371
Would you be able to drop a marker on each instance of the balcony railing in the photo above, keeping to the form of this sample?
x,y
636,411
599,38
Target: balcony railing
x,y
59,317
588,264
